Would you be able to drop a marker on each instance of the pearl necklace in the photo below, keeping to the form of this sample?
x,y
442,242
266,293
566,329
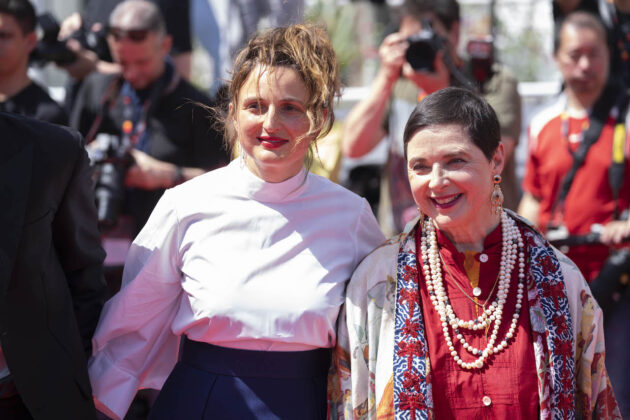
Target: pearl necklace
x,y
512,246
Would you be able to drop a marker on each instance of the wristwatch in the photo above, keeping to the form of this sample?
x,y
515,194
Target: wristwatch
x,y
178,175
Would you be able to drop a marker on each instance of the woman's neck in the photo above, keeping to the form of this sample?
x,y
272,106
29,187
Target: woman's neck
x,y
472,238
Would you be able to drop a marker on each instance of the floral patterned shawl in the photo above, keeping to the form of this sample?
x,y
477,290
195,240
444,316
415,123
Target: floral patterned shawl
x,y
382,332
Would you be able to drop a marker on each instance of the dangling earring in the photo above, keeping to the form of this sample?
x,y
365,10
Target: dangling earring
x,y
497,195
240,154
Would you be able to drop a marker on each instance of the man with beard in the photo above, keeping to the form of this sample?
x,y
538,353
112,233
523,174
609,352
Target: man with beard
x,y
575,174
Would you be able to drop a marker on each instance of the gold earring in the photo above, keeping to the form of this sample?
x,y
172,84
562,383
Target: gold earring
x,y
497,195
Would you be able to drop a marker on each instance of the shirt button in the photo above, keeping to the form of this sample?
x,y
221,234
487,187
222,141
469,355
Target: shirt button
x,y
486,401
483,258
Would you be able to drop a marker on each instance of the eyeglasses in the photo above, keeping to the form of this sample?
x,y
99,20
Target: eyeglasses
x,y
134,35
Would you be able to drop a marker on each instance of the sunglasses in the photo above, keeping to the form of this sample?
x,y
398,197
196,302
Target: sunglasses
x,y
134,35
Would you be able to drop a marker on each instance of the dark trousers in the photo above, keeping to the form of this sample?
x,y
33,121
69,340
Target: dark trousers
x,y
212,382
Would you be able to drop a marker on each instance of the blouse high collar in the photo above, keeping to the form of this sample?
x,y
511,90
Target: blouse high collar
x,y
270,192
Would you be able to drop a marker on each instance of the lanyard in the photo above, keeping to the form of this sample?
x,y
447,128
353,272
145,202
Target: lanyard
x,y
135,116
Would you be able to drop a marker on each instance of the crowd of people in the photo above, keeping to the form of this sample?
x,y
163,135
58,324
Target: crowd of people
x,y
170,248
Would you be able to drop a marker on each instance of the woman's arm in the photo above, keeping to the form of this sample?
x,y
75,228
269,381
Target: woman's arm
x,y
134,346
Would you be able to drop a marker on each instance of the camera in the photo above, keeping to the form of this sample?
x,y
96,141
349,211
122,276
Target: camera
x,y
423,46
109,155
49,48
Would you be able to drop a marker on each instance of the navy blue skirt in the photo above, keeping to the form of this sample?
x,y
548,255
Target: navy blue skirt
x,y
212,382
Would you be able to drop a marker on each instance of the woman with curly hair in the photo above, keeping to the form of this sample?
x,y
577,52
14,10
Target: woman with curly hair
x,y
248,263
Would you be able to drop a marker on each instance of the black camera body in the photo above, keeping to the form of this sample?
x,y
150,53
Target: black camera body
x,y
49,48
423,46
111,159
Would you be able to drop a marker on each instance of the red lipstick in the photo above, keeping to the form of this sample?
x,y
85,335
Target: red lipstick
x,y
271,142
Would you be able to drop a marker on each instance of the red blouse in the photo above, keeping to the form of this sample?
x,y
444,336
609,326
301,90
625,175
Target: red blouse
x,y
506,387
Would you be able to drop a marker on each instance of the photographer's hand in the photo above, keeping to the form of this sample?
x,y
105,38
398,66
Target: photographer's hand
x,y
87,61
363,127
615,232
392,56
70,25
84,64
429,81
149,173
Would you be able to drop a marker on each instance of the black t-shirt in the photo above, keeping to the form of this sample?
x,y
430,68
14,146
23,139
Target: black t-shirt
x,y
176,14
33,101
180,130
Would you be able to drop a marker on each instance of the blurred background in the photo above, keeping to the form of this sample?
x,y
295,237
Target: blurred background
x,y
522,31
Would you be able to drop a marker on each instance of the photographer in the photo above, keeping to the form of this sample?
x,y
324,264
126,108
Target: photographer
x,y
392,98
148,114
576,176
18,93
85,34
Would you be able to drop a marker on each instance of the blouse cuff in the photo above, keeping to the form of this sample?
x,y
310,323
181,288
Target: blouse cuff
x,y
112,387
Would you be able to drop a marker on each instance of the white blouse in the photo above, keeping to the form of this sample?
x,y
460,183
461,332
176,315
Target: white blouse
x,y
232,260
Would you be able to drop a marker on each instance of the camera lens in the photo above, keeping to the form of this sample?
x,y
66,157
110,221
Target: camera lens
x,y
421,55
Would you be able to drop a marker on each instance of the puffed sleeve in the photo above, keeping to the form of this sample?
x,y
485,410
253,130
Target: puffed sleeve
x,y
134,346
367,234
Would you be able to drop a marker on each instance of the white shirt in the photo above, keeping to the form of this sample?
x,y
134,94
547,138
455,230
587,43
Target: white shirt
x,y
231,260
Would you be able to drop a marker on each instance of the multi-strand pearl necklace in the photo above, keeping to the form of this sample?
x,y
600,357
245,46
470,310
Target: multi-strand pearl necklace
x,y
512,246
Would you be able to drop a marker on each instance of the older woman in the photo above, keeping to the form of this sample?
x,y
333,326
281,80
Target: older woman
x,y
468,313
248,263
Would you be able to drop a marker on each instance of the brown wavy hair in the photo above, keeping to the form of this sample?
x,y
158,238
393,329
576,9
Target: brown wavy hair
x,y
305,48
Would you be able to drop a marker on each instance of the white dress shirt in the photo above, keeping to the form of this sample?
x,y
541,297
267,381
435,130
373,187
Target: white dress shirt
x,y
231,260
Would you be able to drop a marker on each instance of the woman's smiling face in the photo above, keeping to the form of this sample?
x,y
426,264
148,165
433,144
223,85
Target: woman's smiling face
x,y
271,122
451,178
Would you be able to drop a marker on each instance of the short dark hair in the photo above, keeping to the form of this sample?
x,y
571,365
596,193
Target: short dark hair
x,y
446,11
581,20
145,15
454,105
22,11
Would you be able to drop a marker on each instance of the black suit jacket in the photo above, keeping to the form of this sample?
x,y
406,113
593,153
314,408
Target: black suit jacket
x,y
51,285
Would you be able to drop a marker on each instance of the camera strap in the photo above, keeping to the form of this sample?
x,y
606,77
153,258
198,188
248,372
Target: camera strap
x,y
107,103
138,107
597,119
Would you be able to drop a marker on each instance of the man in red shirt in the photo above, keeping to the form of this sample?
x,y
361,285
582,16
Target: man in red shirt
x,y
555,135
582,56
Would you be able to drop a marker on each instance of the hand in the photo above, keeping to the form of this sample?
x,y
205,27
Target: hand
x,y
622,6
615,232
429,81
70,25
84,64
148,173
392,56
